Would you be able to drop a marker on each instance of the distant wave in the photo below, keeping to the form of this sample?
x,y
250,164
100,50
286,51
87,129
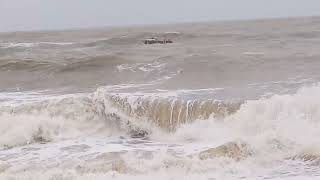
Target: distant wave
x,y
84,64
67,65
30,65
32,44
134,39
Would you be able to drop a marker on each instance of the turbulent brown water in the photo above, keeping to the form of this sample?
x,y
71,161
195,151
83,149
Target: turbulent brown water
x,y
225,100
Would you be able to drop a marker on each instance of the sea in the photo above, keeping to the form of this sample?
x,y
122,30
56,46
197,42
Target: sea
x,y
225,100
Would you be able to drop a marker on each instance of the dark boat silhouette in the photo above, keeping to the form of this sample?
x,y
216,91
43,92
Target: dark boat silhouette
x,y
156,41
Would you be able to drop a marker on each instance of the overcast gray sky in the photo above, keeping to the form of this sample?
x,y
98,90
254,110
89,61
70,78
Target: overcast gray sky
x,y
18,15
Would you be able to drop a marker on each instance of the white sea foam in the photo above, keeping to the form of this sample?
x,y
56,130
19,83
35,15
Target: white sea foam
x,y
144,67
274,129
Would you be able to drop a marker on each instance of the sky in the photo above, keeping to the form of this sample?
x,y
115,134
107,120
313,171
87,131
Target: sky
x,y
26,15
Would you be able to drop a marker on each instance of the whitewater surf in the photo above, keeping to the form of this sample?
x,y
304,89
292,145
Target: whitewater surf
x,y
228,100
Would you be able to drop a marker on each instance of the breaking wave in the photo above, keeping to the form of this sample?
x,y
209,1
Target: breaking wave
x,y
276,120
101,113
165,111
254,133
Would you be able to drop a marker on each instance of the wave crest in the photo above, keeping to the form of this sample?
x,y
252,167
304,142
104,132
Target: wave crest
x,y
166,112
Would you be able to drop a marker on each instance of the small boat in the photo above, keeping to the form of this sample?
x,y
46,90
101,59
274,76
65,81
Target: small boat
x,y
156,41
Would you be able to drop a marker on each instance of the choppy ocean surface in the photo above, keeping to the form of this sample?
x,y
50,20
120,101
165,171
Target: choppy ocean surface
x,y
225,100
